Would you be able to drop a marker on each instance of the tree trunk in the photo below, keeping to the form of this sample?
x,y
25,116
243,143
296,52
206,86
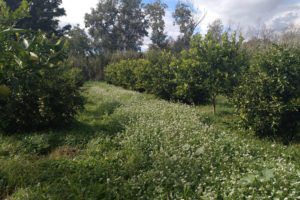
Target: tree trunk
x,y
214,104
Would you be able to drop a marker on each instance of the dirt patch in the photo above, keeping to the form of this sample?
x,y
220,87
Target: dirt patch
x,y
64,151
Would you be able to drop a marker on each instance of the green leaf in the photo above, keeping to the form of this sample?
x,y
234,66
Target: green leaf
x,y
247,180
18,61
14,83
199,151
268,174
186,147
12,30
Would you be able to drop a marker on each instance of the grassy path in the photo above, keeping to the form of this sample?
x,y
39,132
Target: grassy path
x,y
126,145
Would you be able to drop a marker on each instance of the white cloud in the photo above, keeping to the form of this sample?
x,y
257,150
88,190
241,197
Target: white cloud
x,y
277,14
76,10
171,29
147,42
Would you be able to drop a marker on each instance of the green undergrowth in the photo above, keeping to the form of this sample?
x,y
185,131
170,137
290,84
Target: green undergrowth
x,y
126,145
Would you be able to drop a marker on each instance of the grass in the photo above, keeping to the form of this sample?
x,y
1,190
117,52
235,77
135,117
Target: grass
x,y
127,145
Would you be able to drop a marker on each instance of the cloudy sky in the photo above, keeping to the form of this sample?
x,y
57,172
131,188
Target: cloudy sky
x,y
277,14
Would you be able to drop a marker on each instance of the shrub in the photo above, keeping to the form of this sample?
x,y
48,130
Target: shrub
x,y
37,90
163,75
190,87
154,74
121,74
268,99
207,69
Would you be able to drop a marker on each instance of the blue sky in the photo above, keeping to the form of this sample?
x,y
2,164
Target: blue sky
x,y
171,3
242,14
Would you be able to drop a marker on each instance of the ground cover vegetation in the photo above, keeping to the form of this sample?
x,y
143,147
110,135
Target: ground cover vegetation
x,y
189,129
127,145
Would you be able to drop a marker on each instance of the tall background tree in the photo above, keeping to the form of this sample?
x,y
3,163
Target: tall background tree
x,y
81,52
132,24
216,29
43,15
102,25
291,36
187,21
117,25
155,12
79,42
185,17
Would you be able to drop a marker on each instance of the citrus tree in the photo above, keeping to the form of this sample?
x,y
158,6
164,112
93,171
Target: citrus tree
x,y
215,65
36,89
268,100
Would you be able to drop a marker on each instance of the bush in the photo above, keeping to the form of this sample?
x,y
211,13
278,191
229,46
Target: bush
x,y
189,80
268,99
36,90
160,74
153,75
121,74
162,82
207,69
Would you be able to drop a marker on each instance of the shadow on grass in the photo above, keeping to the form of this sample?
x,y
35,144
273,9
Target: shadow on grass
x,y
36,148
98,121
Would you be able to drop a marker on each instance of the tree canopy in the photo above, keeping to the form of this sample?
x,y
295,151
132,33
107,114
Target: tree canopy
x,y
156,12
43,16
117,25
216,63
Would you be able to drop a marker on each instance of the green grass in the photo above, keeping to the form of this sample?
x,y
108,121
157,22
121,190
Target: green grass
x,y
127,145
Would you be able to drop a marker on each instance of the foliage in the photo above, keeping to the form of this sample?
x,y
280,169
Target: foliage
x,y
162,73
9,19
36,90
215,65
119,73
132,24
156,12
79,42
184,17
80,52
154,74
43,16
157,150
208,69
216,28
117,28
190,86
117,25
117,56
268,98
